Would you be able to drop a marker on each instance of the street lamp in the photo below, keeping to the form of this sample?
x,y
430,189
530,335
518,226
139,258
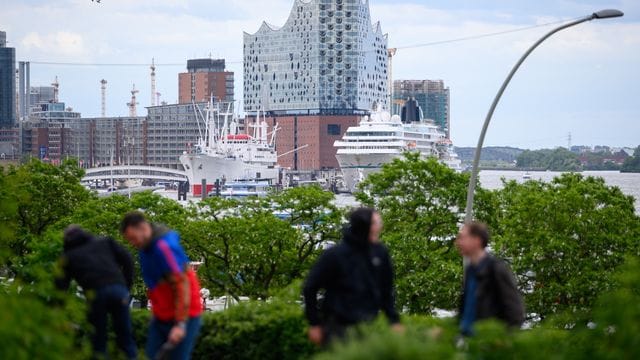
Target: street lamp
x,y
602,14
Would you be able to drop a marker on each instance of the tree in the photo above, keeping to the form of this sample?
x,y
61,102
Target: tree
x,y
559,159
34,196
632,163
317,219
564,238
247,250
422,202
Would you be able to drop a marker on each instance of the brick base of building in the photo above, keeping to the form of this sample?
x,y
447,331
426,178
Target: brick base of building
x,y
317,132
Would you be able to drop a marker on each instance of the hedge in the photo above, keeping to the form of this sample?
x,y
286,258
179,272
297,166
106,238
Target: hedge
x,y
254,330
276,330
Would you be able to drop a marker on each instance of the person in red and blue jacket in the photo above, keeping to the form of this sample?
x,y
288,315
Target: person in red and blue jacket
x,y
173,287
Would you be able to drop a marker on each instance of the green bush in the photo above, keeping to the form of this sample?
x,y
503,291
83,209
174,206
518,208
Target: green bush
x,y
424,338
254,330
31,329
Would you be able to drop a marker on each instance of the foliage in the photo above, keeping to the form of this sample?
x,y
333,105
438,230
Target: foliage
x,y
252,330
559,159
35,196
421,202
616,333
255,331
245,254
596,161
29,329
563,238
424,338
632,163
247,250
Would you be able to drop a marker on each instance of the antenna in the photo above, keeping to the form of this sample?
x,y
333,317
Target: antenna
x,y
56,87
569,141
153,82
132,105
158,98
103,90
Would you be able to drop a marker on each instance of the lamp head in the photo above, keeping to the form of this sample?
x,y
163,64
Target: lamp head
x,y
607,13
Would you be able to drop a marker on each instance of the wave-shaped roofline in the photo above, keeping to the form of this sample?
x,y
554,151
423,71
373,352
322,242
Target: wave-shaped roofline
x,y
266,27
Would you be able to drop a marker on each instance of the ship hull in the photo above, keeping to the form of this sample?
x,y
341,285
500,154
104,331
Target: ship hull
x,y
207,168
356,167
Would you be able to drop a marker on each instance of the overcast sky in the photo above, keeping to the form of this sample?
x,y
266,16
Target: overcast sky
x,y
583,81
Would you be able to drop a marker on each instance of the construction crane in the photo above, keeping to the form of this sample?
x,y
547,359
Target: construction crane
x,y
133,112
153,82
103,91
56,87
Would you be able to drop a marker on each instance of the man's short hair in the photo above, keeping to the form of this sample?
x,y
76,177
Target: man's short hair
x,y
480,230
133,218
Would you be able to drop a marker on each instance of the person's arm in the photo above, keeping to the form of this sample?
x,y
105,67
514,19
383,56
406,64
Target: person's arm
x,y
388,290
319,276
63,278
124,259
316,280
513,305
179,281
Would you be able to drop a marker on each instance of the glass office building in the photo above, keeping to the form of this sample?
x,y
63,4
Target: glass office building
x,y
327,59
7,83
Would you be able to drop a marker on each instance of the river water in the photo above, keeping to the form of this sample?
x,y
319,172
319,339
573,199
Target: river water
x,y
629,183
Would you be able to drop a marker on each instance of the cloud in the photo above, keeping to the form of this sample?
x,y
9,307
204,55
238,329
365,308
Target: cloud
x,y
60,43
586,68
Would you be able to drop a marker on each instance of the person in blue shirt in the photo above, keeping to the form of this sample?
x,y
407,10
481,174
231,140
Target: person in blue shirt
x,y
489,289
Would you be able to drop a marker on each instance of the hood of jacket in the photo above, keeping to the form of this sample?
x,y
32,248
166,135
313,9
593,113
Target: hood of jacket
x,y
357,232
75,237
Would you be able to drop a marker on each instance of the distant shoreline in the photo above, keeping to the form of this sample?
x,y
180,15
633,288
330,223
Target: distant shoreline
x,y
544,170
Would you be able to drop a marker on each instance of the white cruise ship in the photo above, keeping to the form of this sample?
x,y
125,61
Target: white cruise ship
x,y
224,154
380,138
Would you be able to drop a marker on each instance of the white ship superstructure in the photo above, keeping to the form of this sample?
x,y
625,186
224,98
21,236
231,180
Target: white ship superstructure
x,y
448,155
223,154
380,138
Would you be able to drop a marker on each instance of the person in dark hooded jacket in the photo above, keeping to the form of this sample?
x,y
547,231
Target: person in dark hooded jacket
x,y
357,277
104,270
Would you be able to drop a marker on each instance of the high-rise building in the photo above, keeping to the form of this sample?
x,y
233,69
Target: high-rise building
x,y
157,139
205,78
39,95
432,97
47,134
169,131
7,83
24,89
109,140
315,75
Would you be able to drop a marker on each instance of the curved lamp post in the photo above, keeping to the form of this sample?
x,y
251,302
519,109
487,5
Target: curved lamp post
x,y
602,14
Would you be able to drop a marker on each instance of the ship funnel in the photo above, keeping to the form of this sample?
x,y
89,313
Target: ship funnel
x,y
411,111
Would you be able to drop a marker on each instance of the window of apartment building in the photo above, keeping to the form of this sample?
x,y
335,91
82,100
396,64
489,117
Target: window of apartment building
x,y
333,129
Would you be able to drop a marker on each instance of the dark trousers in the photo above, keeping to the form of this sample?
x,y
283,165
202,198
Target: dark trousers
x,y
159,332
338,331
111,300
